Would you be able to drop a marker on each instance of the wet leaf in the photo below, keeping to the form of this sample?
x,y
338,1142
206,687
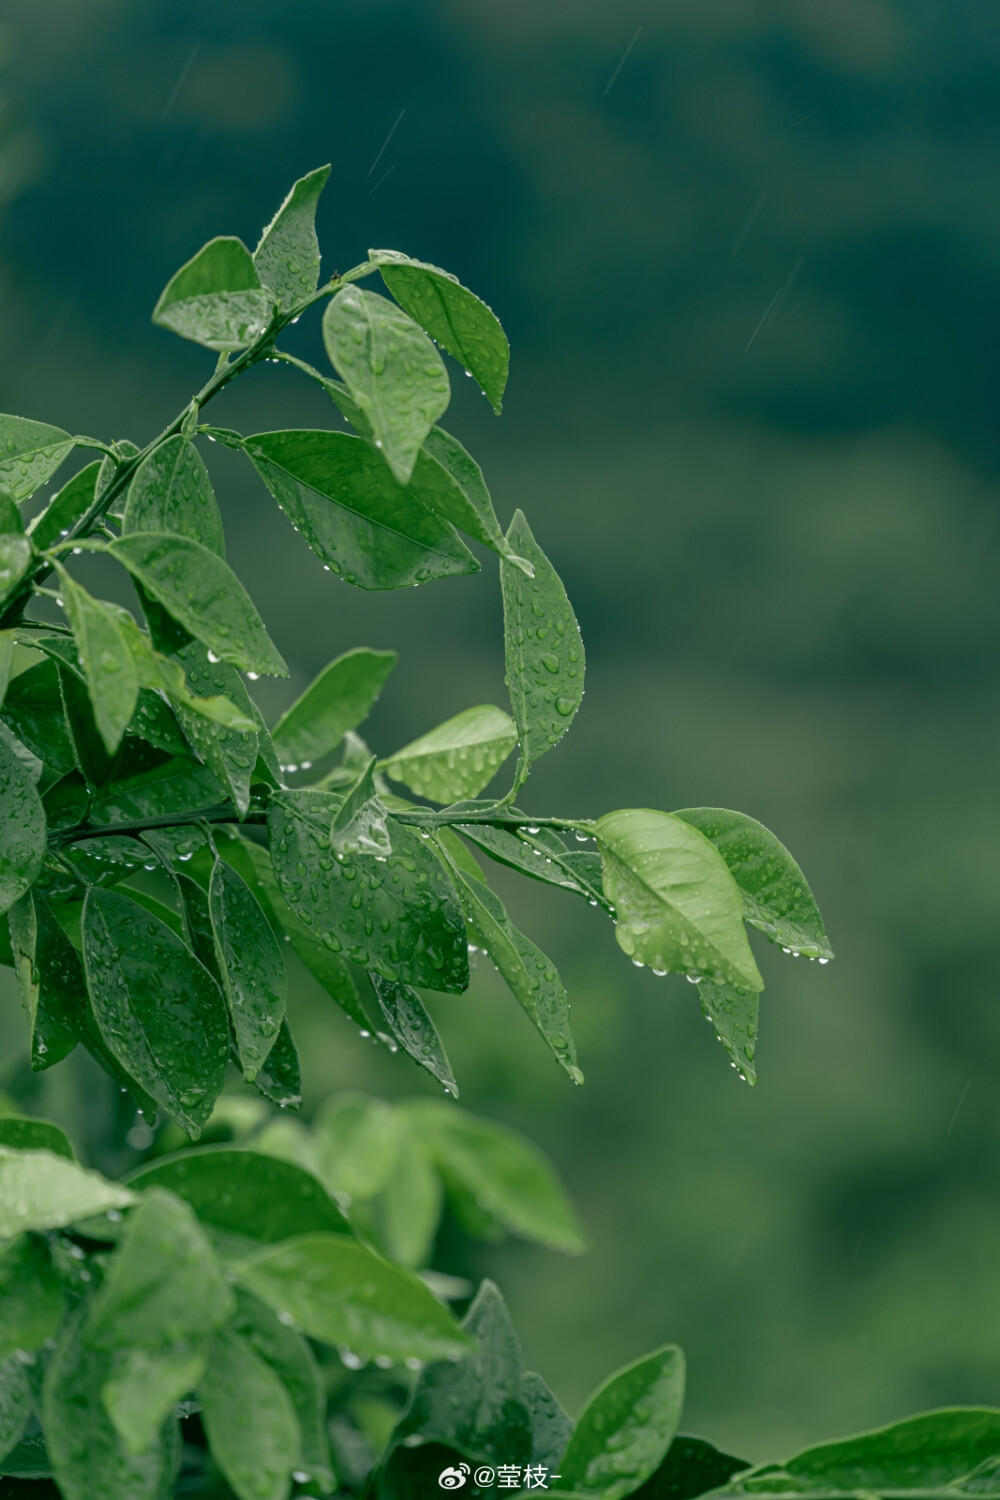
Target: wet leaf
x,y
217,298
40,1190
65,508
231,753
30,453
112,681
551,1428
334,702
171,492
145,1384
626,1428
458,758
250,965
50,977
92,755
33,709
359,824
22,829
280,1077
465,502
32,1297
249,1420
176,786
8,641
413,1029
287,258
733,1013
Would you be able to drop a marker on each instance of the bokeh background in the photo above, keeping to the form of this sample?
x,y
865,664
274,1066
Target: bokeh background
x,y
752,284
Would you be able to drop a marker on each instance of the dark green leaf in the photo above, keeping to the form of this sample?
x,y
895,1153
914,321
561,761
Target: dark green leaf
x,y
50,976
33,709
287,258
22,1133
542,645
230,753
30,453
530,976
145,1384
40,1190
733,1013
530,855
11,521
336,701
413,1029
458,758
171,491
177,786
342,1293
691,1468
112,681
510,1179
249,1420
31,1296
551,1428
216,299
776,898
453,316
92,755
250,965
626,1428
155,722
470,509
204,595
369,529
65,508
359,824
280,1077
15,1403
8,640
391,369
22,830
66,802
678,906
159,1011
401,918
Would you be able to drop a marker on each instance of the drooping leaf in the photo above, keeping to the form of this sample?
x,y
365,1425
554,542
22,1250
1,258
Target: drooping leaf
x,y
510,1179
25,1133
112,681
409,1209
171,492
692,1467
543,856
401,918
50,977
231,753
531,977
33,709
280,1076
201,592
145,1384
359,824
367,528
733,1013
471,509
30,453
22,829
217,298
159,1011
458,758
334,702
391,369
356,1143
454,317
342,1293
287,258
92,755
626,1428
776,898
41,1190
250,965
65,508
249,1420
31,1296
413,1029
542,646
15,1403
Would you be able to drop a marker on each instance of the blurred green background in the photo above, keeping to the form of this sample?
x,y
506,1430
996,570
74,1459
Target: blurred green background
x,y
753,294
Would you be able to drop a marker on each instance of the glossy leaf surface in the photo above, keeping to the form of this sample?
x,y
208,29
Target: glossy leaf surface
x,y
30,453
691,1468
287,258
458,758
24,1133
42,1190
112,680
359,824
33,709
231,753
50,977
334,702
171,492
22,828
250,964
414,1031
733,1013
65,508
217,298
249,1419
626,1428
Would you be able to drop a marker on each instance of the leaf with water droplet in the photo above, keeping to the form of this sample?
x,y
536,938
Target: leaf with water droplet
x,y
216,298
50,977
231,753
458,758
108,667
33,709
65,508
407,1019
733,1013
287,258
280,1077
15,1402
334,702
250,965
465,502
626,1428
30,453
171,492
144,1385
42,1190
359,824
22,828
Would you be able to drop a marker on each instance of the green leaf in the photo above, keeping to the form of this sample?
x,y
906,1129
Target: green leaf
x,y
33,709
530,976
22,832
414,1030
50,976
401,918
171,491
15,1403
541,857
155,722
22,1133
356,1143
144,1385
202,594
159,1011
15,560
334,702
175,787
31,1295
678,906
692,1467
65,508
231,753
242,1193
66,802
626,1428
250,964
939,1452
92,754
733,1013
465,502
391,369
359,824
112,680
409,1208
509,1178
458,758
453,316
370,530
249,1420
287,258
40,1190
216,299
280,1077
551,1428
8,640
90,1460
292,1360
776,898
542,645
30,453
342,1293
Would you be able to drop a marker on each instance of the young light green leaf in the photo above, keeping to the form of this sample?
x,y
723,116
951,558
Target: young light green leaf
x,y
510,1179
50,977
530,976
171,492
15,1403
216,299
40,1190
287,258
409,1209
359,824
112,680
342,1293
733,1013
31,1294
24,1133
30,453
543,649
454,317
401,918
145,1384
203,595
33,709
691,1467
370,530
626,1428
776,897
159,1011
413,1029
678,906
334,702
280,1076
250,964
231,753
65,508
22,829
249,1420
458,758
356,1144
466,501
391,369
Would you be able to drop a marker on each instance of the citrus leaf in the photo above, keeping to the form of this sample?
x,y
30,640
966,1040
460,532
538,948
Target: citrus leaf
x,y
733,1013
216,298
466,501
231,753
458,758
15,1403
22,829
626,1428
24,1133
413,1029
42,1190
50,976
32,1297
144,1385
30,453
250,965
65,508
171,492
287,258
109,670
691,1467
334,702
33,709
280,1077
249,1419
